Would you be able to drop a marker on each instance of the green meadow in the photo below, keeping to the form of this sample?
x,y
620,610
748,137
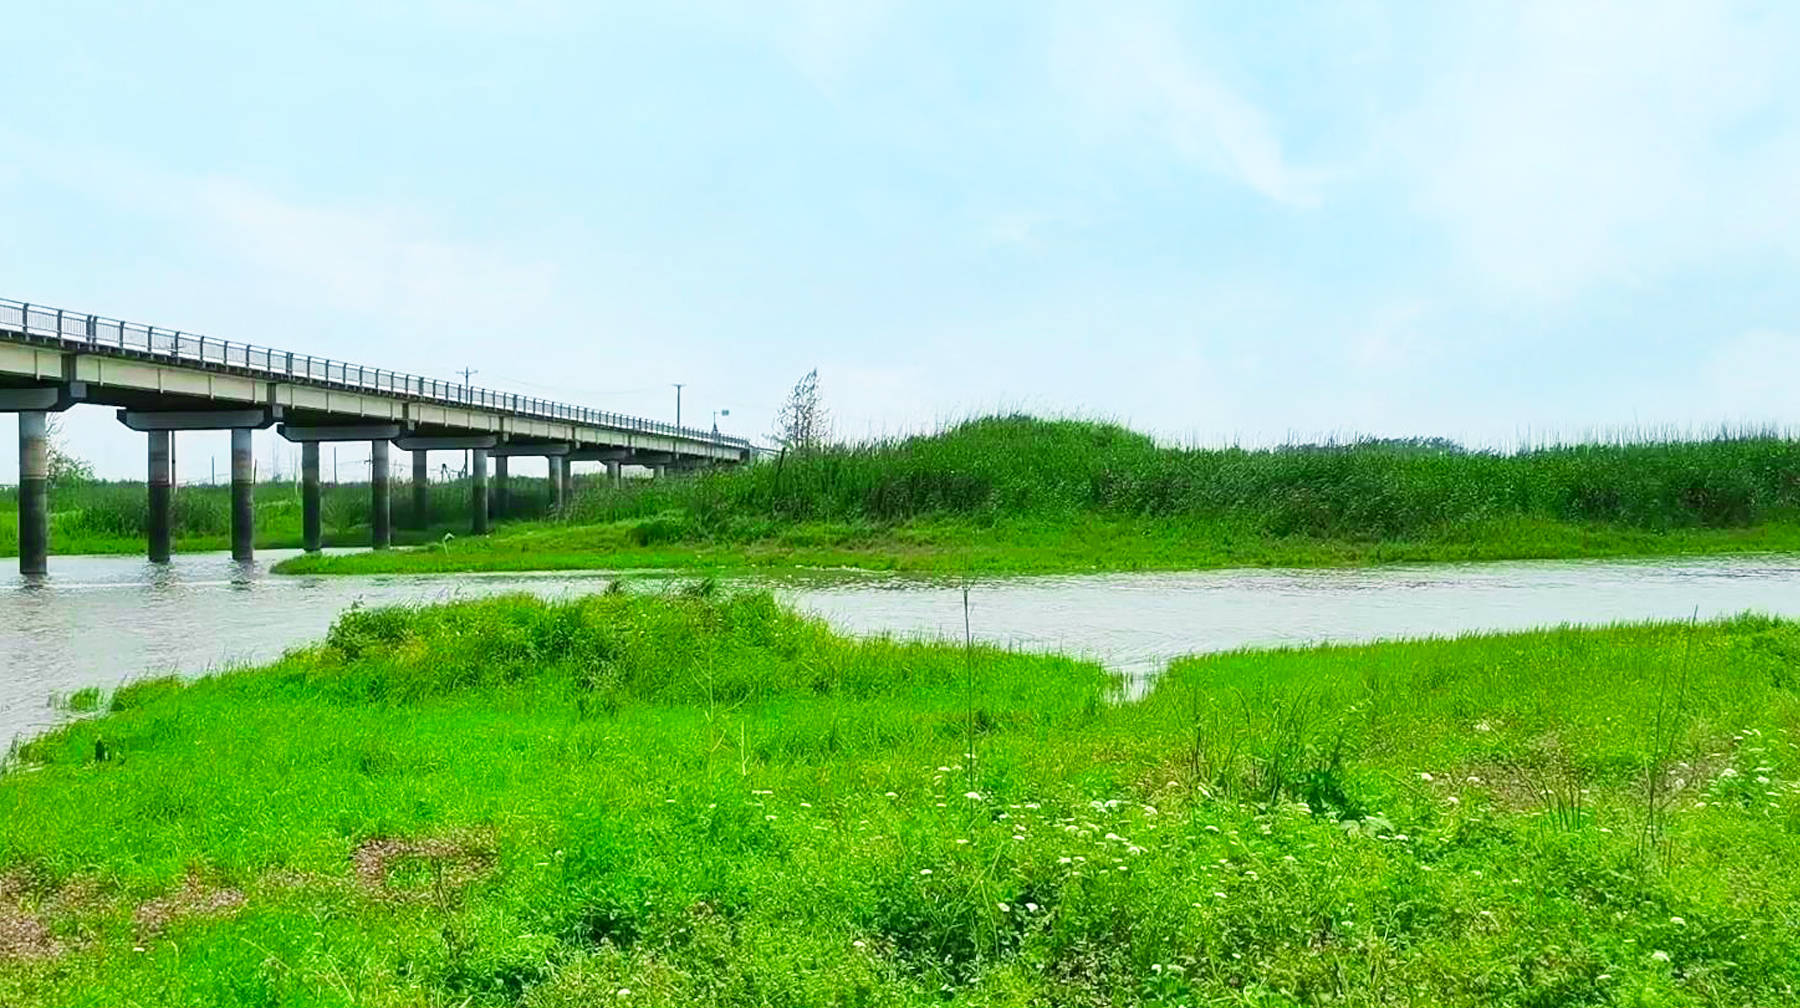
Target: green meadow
x,y
697,798
1020,494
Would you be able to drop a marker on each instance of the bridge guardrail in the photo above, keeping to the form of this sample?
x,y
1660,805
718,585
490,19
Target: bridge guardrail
x,y
100,332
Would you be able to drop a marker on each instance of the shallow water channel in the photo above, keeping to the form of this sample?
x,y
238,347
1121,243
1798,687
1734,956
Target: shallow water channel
x,y
101,621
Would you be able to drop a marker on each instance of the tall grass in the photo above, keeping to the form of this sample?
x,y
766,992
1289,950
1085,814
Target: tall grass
x,y
1012,467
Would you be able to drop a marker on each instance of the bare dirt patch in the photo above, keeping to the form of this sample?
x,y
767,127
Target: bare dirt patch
x,y
194,899
23,937
397,868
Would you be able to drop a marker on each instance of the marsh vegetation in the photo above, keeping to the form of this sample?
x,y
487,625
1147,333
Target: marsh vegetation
x,y
697,797
1022,494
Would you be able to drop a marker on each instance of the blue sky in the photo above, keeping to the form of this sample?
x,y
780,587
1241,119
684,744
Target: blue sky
x,y
1215,222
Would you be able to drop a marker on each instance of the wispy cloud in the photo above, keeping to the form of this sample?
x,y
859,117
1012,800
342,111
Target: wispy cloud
x,y
369,262
1566,145
1129,76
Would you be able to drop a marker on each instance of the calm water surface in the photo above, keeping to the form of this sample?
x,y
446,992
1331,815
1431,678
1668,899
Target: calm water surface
x,y
105,620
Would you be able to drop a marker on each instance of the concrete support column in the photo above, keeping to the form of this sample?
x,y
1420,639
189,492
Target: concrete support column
x,y
381,518
243,496
34,493
421,489
478,516
556,484
161,530
614,477
309,496
499,503
659,471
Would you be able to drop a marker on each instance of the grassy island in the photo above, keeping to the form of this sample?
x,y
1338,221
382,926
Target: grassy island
x,y
692,798
1018,494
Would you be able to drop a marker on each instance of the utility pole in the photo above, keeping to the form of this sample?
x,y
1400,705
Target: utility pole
x,y
716,415
677,403
467,373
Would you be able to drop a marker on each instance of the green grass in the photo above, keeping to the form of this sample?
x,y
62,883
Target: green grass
x,y
113,517
708,800
1017,494
1021,547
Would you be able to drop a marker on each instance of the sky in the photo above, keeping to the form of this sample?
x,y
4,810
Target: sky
x,y
1216,222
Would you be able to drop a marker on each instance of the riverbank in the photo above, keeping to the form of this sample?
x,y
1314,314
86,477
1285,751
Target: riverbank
x,y
1082,545
1024,495
693,798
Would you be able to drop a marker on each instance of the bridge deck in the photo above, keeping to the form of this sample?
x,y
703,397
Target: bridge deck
x,y
128,364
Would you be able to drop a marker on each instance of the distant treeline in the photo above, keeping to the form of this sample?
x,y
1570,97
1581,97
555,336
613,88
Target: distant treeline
x,y
1012,467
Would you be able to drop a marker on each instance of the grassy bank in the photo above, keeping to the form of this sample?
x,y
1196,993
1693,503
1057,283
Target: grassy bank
x,y
1020,494
113,516
1025,547
690,799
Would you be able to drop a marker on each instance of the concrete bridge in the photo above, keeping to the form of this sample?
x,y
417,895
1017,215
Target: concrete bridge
x,y
163,380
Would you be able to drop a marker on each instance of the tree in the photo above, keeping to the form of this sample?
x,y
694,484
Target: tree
x,y
803,423
64,467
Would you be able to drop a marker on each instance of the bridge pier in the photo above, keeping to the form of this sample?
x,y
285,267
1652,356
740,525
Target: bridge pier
x,y
161,528
381,526
615,478
243,476
34,492
498,502
421,489
478,493
556,483
310,539
243,496
309,437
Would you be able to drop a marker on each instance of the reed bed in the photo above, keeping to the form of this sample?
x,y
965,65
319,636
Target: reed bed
x,y
1013,467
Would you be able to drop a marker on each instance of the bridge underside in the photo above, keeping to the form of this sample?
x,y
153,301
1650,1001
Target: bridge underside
x,y
158,397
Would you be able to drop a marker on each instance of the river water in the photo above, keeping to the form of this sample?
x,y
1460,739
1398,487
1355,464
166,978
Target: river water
x,y
101,621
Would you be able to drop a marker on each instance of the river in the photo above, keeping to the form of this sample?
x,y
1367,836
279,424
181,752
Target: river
x,y
101,621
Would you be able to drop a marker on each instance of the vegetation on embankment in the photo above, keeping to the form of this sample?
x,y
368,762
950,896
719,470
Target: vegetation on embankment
x,y
692,799
1022,494
92,516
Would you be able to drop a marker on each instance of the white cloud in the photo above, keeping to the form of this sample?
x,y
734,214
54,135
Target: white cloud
x,y
1568,145
1750,378
1128,75
1392,339
368,262
825,40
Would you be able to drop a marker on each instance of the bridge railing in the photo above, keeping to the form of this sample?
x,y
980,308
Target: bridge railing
x,y
101,333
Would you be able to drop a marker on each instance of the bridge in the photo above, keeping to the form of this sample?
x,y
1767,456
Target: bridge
x,y
165,380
